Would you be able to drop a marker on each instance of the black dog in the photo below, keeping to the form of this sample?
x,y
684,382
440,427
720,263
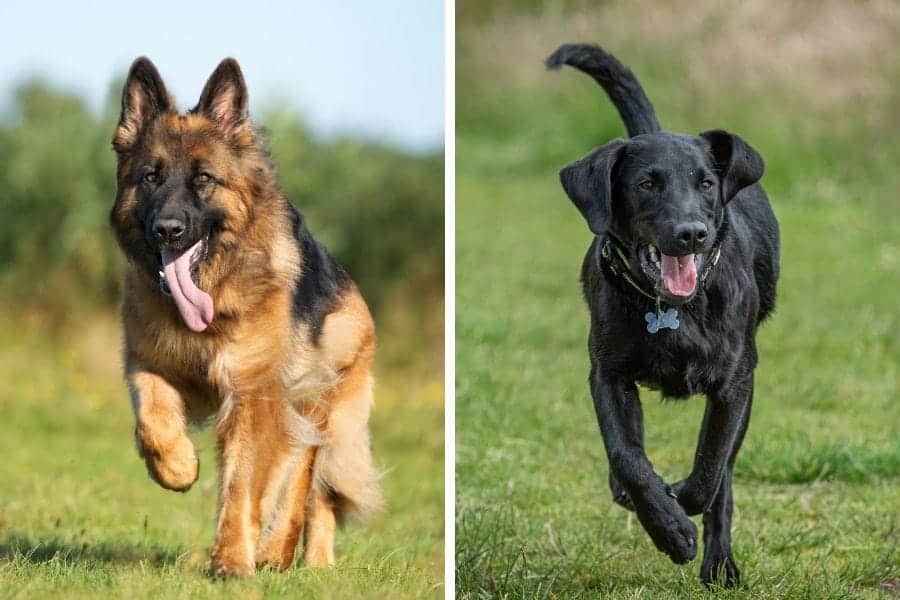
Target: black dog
x,y
680,274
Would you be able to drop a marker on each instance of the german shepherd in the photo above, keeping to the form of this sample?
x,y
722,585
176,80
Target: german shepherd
x,y
232,312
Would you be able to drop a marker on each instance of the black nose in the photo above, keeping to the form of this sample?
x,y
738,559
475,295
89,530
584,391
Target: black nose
x,y
168,230
690,236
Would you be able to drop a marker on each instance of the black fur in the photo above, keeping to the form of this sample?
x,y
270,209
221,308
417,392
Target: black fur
x,y
151,98
618,81
640,192
321,283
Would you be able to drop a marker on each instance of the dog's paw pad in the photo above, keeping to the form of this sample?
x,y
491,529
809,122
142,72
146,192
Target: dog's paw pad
x,y
678,540
176,469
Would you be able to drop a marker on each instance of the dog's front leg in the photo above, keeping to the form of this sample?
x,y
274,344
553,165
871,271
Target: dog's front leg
x,y
284,508
160,430
724,424
250,439
634,428
660,514
718,560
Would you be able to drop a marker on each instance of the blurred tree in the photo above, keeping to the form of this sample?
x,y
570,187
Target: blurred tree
x,y
57,181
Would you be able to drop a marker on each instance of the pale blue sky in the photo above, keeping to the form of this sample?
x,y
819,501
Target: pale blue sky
x,y
371,68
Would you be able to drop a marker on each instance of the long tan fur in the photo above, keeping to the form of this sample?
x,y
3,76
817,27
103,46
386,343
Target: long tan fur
x,y
290,408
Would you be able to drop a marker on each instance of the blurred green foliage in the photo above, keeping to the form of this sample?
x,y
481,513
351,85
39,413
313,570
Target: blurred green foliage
x,y
379,210
58,182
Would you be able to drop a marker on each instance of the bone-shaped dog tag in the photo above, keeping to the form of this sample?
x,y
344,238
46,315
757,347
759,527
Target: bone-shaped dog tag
x,y
668,319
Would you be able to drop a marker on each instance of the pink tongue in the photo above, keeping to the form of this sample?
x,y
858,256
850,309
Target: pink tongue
x,y
195,305
679,274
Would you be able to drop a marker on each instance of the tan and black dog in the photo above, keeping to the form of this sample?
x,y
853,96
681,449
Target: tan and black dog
x,y
233,313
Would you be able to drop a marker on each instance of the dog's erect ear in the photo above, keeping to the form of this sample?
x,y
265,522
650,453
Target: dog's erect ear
x,y
588,182
224,98
144,97
737,164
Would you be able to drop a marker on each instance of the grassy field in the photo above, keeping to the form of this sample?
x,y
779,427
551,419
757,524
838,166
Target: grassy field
x,y
817,484
80,518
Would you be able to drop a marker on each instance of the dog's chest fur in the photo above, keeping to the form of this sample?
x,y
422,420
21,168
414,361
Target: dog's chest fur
x,y
689,360
703,355
232,356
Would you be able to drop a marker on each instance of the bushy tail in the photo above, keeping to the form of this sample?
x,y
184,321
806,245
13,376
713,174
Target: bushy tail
x,y
616,79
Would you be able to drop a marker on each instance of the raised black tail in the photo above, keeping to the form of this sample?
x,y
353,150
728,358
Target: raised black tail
x,y
616,79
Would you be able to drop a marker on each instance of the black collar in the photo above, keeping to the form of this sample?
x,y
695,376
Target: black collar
x,y
614,255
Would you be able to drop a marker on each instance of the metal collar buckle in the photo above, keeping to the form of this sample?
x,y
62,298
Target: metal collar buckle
x,y
164,285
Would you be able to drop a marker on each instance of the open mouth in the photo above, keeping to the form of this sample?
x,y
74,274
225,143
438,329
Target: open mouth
x,y
179,277
674,277
196,253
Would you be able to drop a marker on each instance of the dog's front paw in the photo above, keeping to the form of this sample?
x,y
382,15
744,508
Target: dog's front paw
x,y
679,540
672,532
690,496
225,563
173,465
277,553
719,568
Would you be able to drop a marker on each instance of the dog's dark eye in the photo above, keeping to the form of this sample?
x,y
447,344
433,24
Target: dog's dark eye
x,y
706,185
646,185
151,177
203,179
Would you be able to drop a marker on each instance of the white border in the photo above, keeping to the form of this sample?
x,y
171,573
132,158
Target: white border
x,y
449,298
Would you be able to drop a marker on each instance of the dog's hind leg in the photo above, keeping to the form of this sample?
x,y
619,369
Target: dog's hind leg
x,y
160,431
345,481
319,533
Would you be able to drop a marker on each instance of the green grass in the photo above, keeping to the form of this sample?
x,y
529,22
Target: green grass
x,y
79,517
817,483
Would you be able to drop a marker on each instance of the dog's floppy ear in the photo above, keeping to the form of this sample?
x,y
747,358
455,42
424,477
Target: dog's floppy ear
x,y
737,164
224,98
144,97
588,182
